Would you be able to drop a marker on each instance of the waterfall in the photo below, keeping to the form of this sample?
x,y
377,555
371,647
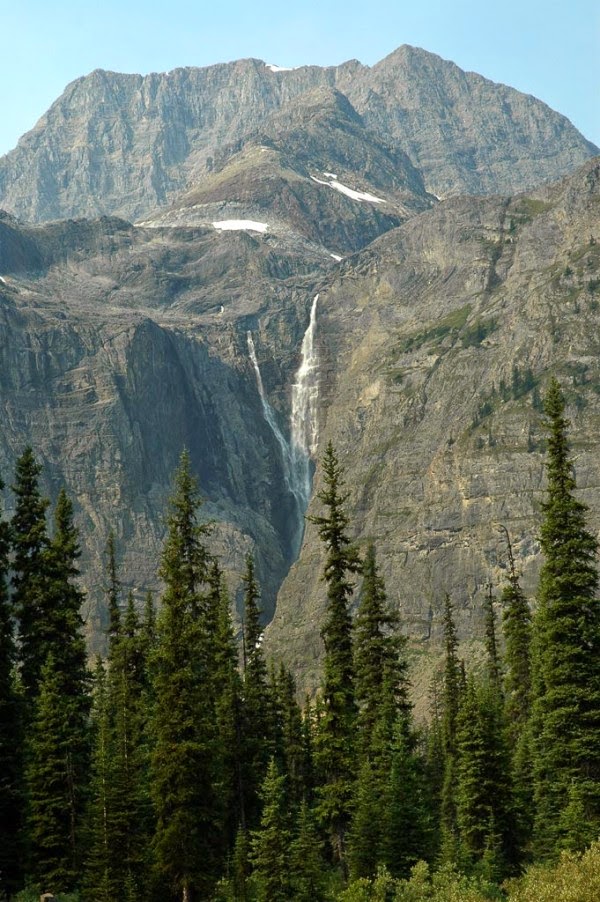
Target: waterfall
x,y
296,453
305,394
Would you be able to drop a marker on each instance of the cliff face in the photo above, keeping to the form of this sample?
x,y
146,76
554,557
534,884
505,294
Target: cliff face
x,y
435,343
125,144
120,346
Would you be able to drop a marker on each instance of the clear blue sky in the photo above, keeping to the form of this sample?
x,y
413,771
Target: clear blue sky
x,y
549,48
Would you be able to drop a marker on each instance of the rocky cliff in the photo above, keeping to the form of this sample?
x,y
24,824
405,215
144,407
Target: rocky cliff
x,y
125,144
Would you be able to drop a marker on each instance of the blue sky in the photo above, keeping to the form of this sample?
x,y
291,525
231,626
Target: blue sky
x,y
549,49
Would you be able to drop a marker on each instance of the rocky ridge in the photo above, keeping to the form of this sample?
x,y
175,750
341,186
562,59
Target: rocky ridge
x,y
116,144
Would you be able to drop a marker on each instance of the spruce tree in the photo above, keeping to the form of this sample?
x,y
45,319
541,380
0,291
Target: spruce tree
x,y
113,592
127,801
57,778
335,739
483,798
52,789
257,709
450,705
517,629
307,864
379,662
11,739
228,705
29,542
271,842
183,729
516,626
406,817
566,709
493,666
98,884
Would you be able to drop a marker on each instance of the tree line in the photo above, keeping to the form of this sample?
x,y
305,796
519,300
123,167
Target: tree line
x,y
182,766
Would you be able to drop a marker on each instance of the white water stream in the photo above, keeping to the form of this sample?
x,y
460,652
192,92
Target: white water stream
x,y
296,453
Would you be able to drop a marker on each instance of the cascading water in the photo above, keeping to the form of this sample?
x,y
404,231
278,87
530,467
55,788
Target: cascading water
x,y
296,452
304,422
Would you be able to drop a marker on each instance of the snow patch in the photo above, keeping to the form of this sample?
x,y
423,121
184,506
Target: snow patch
x,y
2,281
350,192
279,68
236,225
336,257
330,175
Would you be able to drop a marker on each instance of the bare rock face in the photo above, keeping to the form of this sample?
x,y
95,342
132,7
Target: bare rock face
x,y
119,347
125,144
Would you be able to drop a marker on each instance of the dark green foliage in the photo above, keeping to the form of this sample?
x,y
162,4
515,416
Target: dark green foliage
x,y
257,710
335,739
450,704
54,782
228,704
307,865
516,626
491,645
483,799
271,842
11,739
98,881
188,827
406,813
113,592
566,709
290,737
29,542
379,664
58,759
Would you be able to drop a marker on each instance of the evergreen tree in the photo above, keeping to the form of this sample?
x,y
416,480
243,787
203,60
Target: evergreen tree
x,y
494,671
516,625
98,883
566,709
257,711
405,816
335,739
291,749
57,779
29,542
113,592
271,842
128,814
228,706
450,705
52,787
11,740
307,865
365,832
483,798
379,662
188,825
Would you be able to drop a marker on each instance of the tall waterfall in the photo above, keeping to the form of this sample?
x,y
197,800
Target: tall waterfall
x,y
305,394
296,452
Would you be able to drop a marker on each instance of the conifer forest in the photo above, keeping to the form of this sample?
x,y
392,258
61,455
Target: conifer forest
x,y
185,766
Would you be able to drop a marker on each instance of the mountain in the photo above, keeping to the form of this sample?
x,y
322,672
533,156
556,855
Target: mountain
x,y
253,190
116,144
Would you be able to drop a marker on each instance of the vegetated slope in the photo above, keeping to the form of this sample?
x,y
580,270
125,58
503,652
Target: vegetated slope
x,y
125,144
435,344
